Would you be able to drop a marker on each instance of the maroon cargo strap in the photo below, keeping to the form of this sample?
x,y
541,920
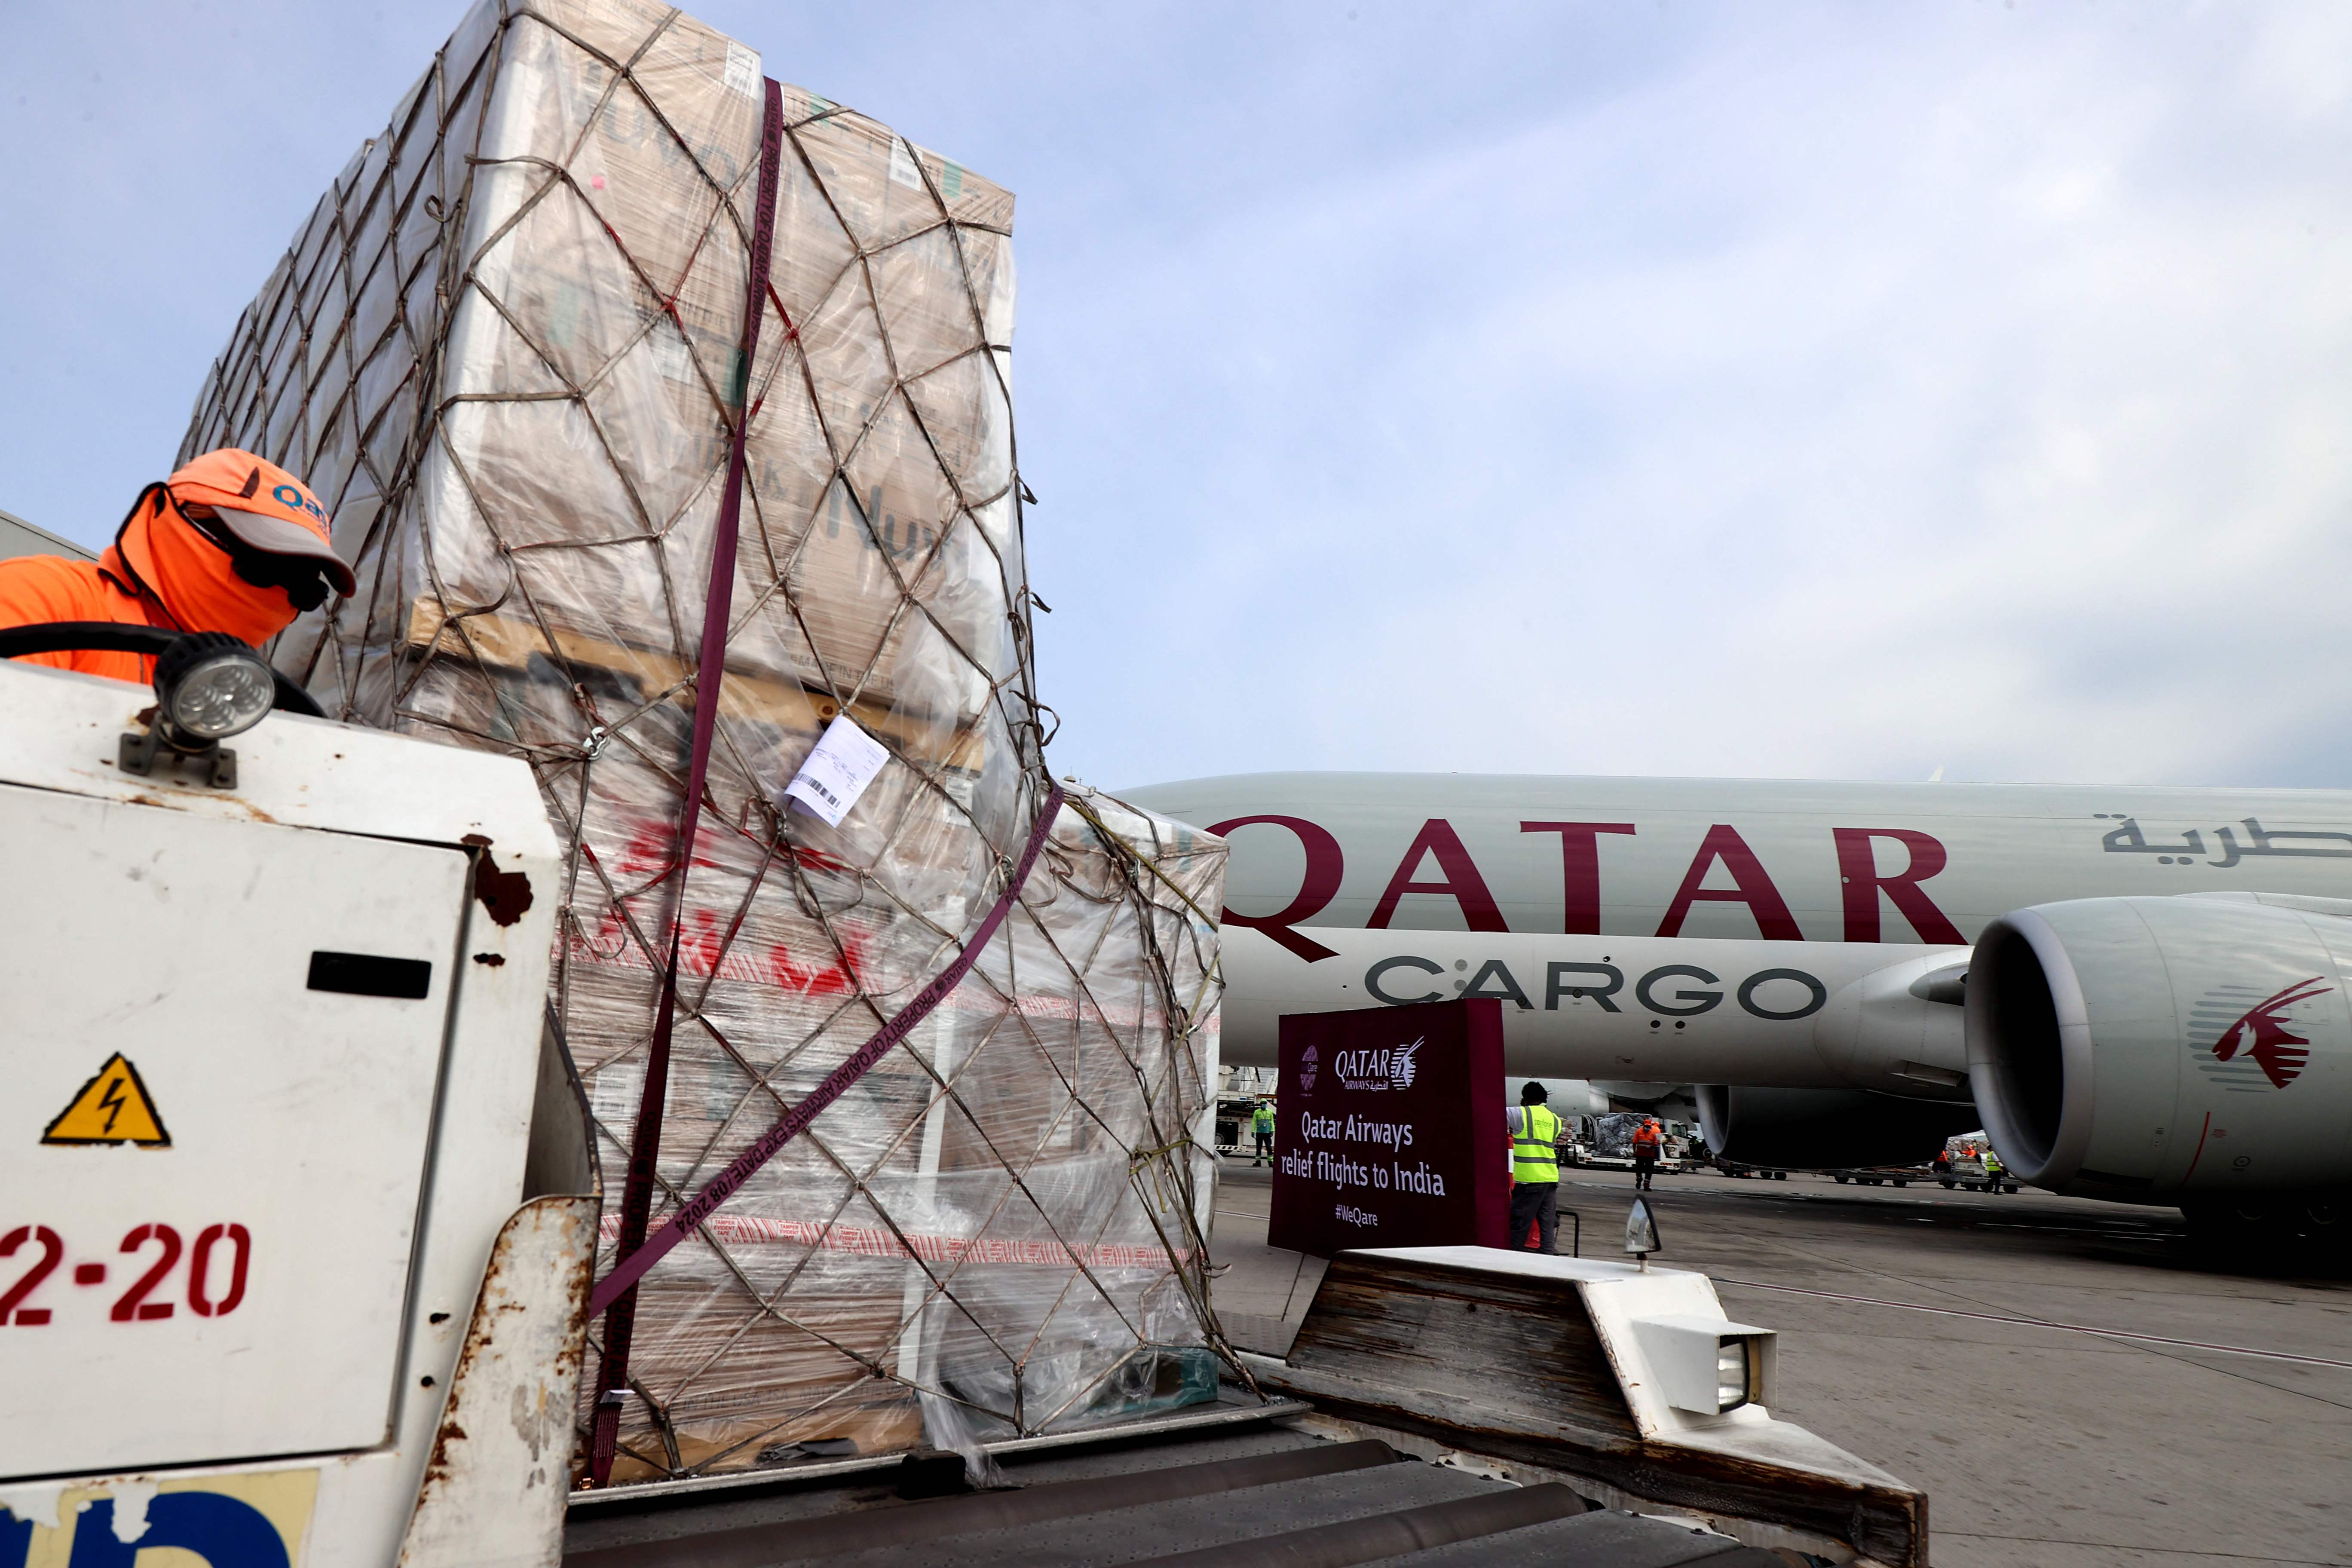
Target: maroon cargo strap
x,y
637,1198
795,1121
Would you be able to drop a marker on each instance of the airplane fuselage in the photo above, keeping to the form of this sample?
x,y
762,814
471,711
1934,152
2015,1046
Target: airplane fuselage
x,y
1730,931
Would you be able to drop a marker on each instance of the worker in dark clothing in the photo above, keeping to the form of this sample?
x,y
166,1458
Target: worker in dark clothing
x,y
1646,1143
1535,1170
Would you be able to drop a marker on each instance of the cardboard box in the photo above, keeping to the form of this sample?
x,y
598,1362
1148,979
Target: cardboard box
x,y
504,352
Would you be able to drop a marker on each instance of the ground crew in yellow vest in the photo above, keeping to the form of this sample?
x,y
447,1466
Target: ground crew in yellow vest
x,y
1535,1170
1262,1131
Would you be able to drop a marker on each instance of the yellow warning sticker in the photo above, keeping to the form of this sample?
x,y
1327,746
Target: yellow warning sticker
x,y
112,1108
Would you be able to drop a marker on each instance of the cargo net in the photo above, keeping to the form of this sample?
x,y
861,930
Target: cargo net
x,y
504,350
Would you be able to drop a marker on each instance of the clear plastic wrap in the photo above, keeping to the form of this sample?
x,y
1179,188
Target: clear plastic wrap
x,y
504,353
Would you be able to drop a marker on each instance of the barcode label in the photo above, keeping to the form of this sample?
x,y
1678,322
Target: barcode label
x,y
846,761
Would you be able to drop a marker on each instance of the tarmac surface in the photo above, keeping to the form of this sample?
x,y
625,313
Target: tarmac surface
x,y
1919,1330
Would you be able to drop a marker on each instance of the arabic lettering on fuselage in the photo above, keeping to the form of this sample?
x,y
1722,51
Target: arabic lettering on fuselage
x,y
2129,839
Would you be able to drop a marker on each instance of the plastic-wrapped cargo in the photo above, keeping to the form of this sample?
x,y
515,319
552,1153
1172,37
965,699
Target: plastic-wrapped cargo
x,y
504,350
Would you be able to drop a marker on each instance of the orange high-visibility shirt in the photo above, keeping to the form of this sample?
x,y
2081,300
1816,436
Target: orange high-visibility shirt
x,y
39,588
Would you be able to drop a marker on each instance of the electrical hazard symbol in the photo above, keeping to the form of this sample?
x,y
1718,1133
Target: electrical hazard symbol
x,y
112,1107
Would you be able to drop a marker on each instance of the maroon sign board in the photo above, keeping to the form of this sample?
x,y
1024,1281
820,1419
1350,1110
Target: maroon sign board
x,y
1389,1129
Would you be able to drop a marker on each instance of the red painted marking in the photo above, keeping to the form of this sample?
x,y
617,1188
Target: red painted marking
x,y
1580,871
2200,1147
52,1250
705,950
89,1273
634,1260
1326,866
1458,874
1862,881
129,1307
1753,887
200,1268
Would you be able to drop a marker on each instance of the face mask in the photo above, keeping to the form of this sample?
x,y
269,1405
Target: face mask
x,y
198,579
305,584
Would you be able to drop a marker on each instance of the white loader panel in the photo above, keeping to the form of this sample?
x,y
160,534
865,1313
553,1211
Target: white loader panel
x,y
260,1011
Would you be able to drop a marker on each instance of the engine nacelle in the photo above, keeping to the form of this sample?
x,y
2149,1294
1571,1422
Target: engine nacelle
x,y
1902,1030
2194,1049
1818,1128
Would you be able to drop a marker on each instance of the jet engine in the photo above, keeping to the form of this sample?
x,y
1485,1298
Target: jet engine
x,y
2195,1050
1896,1036
1817,1128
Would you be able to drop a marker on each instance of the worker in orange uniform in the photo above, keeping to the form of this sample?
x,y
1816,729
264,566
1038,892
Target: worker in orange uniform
x,y
1646,1140
230,543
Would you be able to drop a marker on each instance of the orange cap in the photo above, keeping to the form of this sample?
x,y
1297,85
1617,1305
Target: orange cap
x,y
264,507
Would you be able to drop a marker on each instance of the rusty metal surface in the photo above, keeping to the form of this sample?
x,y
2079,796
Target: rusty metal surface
x,y
506,895
499,1470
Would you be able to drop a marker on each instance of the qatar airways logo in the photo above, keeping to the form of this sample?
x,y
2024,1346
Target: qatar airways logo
x,y
1309,1065
1380,1070
1438,864
2256,1044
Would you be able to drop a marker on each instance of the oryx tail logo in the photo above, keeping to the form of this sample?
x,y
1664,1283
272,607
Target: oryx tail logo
x,y
1307,1061
2262,1034
2260,1043
1380,1070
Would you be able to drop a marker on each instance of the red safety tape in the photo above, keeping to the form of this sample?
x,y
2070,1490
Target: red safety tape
x,y
794,1122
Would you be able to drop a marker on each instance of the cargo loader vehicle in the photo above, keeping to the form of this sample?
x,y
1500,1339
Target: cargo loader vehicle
x,y
299,1210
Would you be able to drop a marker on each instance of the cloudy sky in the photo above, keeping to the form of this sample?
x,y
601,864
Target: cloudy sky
x,y
1812,390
